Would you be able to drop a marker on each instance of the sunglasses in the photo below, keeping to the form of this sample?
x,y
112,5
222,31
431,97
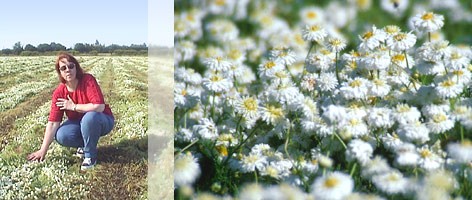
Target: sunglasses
x,y
70,66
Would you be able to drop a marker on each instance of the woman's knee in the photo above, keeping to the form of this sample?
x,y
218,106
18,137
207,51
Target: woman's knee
x,y
90,118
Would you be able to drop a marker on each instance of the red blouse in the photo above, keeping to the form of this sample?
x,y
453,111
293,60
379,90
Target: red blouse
x,y
87,91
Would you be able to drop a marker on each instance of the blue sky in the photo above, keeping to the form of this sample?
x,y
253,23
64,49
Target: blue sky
x,y
122,22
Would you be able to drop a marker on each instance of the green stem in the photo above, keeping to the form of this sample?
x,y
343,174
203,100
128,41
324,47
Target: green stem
x,y
255,176
188,146
429,36
353,169
286,143
340,140
337,69
213,106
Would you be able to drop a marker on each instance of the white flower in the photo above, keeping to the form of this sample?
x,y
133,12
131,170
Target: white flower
x,y
319,62
283,55
391,182
428,22
251,162
272,114
359,150
395,7
185,97
391,141
283,191
378,88
375,166
372,39
269,68
336,185
327,82
457,60
461,152
206,129
429,67
429,160
184,135
335,44
222,30
353,126
405,114
448,88
217,83
334,113
308,82
248,107
355,89
380,117
312,15
218,64
375,61
406,155
439,123
309,108
314,33
186,169
401,41
413,132
434,51
400,60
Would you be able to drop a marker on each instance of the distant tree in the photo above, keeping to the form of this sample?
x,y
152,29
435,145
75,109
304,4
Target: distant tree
x,y
44,47
7,51
30,47
57,46
17,48
80,47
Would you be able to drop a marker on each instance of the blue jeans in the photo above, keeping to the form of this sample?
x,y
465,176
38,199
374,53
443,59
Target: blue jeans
x,y
86,132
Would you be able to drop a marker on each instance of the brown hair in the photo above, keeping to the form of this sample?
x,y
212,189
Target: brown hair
x,y
70,58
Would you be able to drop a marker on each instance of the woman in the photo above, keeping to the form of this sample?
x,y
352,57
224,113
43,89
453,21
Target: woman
x,y
88,117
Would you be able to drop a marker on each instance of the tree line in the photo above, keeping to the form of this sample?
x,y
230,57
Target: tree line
x,y
79,48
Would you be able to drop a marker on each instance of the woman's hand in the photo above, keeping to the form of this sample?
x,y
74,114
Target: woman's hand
x,y
65,104
37,156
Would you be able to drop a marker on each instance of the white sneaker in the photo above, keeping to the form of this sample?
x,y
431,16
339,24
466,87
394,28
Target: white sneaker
x,y
88,163
80,153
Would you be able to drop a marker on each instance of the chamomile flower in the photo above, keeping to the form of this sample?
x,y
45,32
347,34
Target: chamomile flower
x,y
380,118
251,162
185,50
391,30
335,185
429,67
283,55
308,82
439,123
272,113
218,64
326,82
404,114
406,155
448,88
413,132
335,44
391,182
334,113
434,51
457,60
353,126
283,191
314,33
248,107
186,169
206,129
356,88
216,83
375,61
395,7
378,88
405,62
375,166
319,62
267,69
391,141
372,39
461,152
401,41
312,15
428,22
184,135
222,30
359,150
429,160
185,97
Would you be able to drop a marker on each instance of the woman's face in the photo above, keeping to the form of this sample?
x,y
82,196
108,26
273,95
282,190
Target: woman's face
x,y
68,70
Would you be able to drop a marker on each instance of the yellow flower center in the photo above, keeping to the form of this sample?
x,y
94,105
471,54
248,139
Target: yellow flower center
x,y
311,15
399,37
335,42
447,83
367,35
352,65
315,28
466,143
425,153
216,78
398,58
274,111
393,177
427,16
184,92
403,108
325,52
455,55
235,54
458,72
391,29
269,65
220,2
378,82
250,104
331,182
355,83
354,122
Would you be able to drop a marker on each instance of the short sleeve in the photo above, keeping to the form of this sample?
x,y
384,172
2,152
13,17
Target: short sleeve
x,y
55,115
93,91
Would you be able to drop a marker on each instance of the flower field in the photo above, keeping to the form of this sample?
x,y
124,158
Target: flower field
x,y
323,99
25,99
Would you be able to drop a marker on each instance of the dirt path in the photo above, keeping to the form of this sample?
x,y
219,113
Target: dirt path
x,y
122,169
